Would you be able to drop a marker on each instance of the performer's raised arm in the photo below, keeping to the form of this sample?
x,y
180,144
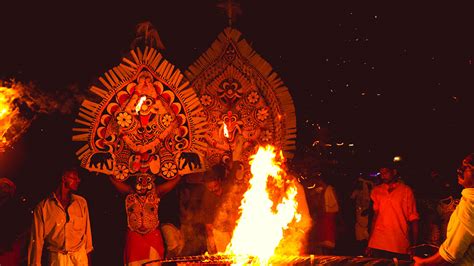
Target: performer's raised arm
x,y
122,187
168,186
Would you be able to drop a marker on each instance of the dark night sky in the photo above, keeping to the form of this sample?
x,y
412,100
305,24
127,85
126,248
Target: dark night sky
x,y
391,79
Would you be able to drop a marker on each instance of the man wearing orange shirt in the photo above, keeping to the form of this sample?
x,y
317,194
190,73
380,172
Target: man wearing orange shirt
x,y
395,222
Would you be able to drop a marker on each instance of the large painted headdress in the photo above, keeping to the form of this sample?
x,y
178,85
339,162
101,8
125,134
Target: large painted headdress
x,y
145,122
240,92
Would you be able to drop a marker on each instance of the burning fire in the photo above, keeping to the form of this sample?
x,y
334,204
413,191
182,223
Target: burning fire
x,y
8,111
268,207
21,103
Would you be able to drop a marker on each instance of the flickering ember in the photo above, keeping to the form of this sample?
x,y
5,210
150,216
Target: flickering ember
x,y
282,260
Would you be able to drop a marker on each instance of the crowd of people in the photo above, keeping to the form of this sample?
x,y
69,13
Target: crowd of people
x,y
390,218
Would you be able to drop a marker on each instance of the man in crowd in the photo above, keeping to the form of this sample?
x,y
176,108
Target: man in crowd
x,y
218,208
458,248
324,208
14,224
61,225
395,222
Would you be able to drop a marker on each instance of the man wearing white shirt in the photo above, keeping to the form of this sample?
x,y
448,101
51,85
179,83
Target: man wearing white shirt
x,y
61,225
458,248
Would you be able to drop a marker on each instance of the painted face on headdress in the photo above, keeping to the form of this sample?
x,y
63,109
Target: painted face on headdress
x,y
144,183
242,96
146,118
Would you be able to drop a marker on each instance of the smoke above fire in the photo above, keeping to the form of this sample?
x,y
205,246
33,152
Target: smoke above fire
x,y
21,103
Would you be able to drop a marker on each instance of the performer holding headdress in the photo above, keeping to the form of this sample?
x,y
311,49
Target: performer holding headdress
x,y
245,104
144,241
146,126
241,95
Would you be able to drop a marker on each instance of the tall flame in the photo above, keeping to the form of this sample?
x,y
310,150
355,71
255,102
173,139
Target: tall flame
x,y
264,215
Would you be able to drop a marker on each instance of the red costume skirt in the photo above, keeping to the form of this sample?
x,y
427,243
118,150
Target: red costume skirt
x,y
325,230
142,248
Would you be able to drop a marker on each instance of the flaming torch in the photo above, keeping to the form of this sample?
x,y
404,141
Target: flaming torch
x,y
139,104
138,107
227,136
268,207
